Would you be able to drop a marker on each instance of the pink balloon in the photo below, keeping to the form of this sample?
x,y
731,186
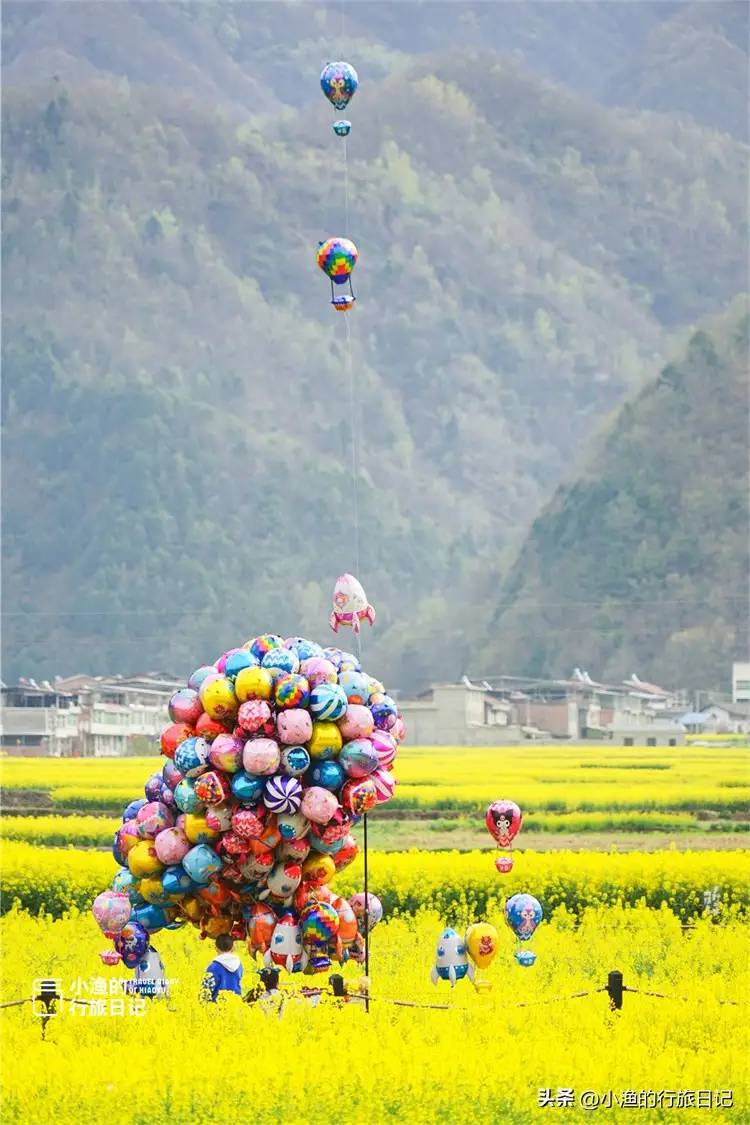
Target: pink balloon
x,y
226,753
318,670
385,747
294,726
318,804
171,845
261,756
357,722
384,783
111,910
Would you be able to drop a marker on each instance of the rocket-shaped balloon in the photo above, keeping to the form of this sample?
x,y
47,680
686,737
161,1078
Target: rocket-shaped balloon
x,y
451,959
286,945
350,605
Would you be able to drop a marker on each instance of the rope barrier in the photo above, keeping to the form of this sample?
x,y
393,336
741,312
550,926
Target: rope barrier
x,y
681,999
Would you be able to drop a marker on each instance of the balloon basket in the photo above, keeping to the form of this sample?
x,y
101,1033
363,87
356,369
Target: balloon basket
x,y
525,957
504,864
343,304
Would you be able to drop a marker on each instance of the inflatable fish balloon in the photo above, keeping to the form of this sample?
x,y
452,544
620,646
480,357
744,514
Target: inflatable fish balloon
x,y
451,960
339,82
350,604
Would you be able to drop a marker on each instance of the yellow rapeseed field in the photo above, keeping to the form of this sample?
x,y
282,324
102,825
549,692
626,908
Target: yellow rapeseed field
x,y
483,1059
541,778
455,883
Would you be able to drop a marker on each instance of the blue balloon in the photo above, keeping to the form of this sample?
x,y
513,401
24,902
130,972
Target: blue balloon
x,y
200,674
176,880
328,775
119,857
130,810
185,796
342,128
339,83
123,881
328,702
283,660
237,661
151,917
319,845
247,788
294,760
191,756
152,788
132,942
305,649
201,862
523,913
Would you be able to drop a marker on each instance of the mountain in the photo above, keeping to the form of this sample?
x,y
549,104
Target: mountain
x,y
176,389
641,562
669,56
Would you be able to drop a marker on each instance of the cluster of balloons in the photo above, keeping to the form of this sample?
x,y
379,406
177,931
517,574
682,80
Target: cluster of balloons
x,y
273,754
503,820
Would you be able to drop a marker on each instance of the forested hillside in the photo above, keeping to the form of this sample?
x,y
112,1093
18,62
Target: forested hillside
x,y
177,458
667,55
641,562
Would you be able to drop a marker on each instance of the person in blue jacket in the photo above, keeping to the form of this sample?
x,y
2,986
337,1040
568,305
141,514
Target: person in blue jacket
x,y
224,974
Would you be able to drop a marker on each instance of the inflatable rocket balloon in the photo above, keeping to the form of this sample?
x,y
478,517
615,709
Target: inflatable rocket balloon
x,y
451,960
350,605
286,945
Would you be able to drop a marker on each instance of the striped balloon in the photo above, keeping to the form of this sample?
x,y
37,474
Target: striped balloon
x,y
385,747
328,701
283,794
384,783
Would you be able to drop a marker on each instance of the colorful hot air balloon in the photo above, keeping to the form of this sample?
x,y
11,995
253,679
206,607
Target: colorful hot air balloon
x,y
503,820
339,82
337,258
523,913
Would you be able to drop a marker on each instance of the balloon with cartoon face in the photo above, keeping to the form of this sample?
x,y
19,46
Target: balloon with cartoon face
x,y
286,945
523,913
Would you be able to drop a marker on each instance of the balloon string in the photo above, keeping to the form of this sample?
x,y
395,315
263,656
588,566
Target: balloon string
x,y
346,190
367,918
354,445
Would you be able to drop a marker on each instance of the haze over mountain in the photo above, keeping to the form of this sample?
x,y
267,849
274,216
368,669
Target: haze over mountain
x,y
177,420
642,559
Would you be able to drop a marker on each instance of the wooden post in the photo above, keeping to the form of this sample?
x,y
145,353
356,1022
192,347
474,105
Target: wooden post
x,y
615,989
48,996
337,984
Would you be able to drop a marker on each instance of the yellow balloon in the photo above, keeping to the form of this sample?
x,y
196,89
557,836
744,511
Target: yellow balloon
x,y
318,869
326,740
219,700
191,908
253,683
196,829
151,888
143,860
481,941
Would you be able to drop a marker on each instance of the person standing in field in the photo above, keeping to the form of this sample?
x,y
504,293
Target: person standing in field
x,y
224,974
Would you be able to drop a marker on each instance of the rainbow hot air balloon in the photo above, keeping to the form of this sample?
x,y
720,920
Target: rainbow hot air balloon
x,y
337,258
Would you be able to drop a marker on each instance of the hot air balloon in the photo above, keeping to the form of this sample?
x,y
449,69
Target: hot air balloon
x,y
337,257
339,82
503,820
523,913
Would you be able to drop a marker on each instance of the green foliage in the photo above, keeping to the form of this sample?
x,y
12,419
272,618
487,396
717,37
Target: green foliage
x,y
176,388
641,563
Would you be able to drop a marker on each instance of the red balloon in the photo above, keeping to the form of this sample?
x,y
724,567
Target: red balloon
x,y
503,822
208,728
172,736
